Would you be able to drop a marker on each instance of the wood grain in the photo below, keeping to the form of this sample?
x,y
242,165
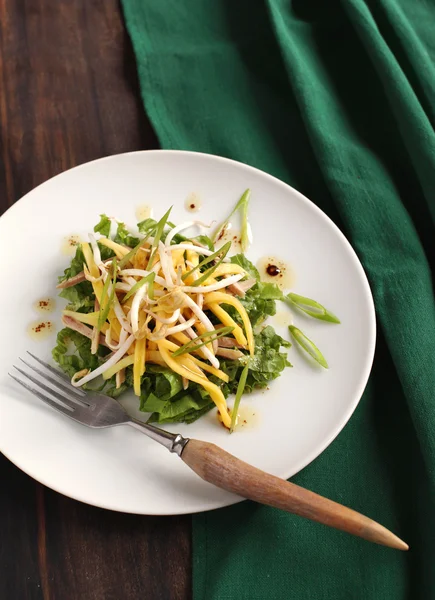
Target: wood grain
x,y
69,94
220,468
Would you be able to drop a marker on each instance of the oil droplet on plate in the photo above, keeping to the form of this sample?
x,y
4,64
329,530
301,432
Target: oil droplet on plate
x,y
193,202
275,270
282,318
230,235
247,418
40,330
144,211
69,244
45,305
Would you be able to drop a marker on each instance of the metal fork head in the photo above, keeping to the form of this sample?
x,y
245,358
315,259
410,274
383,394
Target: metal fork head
x,y
50,386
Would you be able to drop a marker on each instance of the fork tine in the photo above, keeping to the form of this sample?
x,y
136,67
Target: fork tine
x,y
70,403
57,373
68,389
59,407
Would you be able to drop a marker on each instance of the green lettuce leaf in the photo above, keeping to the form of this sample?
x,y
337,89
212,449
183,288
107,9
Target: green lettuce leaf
x,y
73,353
201,239
205,241
147,226
163,396
167,384
76,265
267,363
123,236
268,291
81,296
245,263
260,300
185,409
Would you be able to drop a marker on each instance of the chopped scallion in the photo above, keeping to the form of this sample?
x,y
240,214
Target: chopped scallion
x,y
311,308
104,311
222,252
209,336
307,345
208,259
239,394
241,205
157,236
128,257
148,278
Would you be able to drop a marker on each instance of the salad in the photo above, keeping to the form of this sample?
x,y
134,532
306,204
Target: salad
x,y
174,318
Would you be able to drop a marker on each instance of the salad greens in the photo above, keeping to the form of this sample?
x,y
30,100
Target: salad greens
x,y
163,392
123,236
80,297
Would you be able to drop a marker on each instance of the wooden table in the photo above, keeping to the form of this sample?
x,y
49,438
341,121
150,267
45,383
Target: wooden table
x,y
69,94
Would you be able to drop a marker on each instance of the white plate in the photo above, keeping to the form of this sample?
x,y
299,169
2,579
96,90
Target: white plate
x,y
295,420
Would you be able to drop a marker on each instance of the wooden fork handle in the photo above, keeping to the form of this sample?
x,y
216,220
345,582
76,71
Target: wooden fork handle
x,y
226,471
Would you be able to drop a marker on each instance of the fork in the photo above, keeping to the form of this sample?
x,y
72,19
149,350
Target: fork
x,y
211,463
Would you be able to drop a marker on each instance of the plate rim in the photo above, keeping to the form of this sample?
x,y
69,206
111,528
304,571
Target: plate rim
x,y
365,371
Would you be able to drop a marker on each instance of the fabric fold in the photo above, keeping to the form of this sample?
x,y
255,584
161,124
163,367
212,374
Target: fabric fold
x,y
336,99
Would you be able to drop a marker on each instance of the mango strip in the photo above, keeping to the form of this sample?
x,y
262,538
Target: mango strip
x,y
221,298
225,318
88,318
124,362
215,393
119,250
202,365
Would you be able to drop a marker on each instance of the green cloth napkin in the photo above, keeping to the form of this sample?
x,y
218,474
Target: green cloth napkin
x,y
337,98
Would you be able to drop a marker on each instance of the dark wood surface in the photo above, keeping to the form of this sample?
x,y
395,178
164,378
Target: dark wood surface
x,y
69,94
